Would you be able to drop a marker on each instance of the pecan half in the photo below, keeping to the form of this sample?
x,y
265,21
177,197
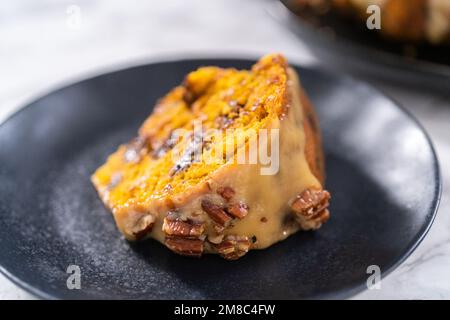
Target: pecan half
x,y
310,208
238,210
216,213
185,246
226,192
143,226
177,227
233,247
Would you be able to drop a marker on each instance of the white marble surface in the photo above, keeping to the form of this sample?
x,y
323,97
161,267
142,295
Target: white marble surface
x,y
41,49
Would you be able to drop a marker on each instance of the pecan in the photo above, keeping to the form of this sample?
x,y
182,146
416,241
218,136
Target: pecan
x,y
177,227
216,213
310,208
233,247
185,246
321,216
215,239
226,192
143,226
238,210
310,202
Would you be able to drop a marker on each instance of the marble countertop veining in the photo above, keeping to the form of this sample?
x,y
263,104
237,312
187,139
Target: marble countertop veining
x,y
42,47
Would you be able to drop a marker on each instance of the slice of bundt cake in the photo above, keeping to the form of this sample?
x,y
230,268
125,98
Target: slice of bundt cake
x,y
407,21
231,160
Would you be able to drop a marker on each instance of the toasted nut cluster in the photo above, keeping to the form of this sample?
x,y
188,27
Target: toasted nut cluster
x,y
236,210
184,237
233,247
311,208
222,217
229,247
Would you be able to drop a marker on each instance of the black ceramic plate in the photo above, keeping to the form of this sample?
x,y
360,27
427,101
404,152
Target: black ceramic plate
x,y
342,44
382,172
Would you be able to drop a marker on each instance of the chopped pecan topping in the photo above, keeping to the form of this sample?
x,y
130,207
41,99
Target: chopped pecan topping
x,y
143,226
233,247
183,236
311,208
238,210
177,227
226,192
216,213
185,246
310,202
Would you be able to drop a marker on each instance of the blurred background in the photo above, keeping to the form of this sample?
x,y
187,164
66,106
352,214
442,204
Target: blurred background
x,y
46,44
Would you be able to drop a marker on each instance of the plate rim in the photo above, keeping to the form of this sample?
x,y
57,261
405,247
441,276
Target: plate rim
x,y
343,293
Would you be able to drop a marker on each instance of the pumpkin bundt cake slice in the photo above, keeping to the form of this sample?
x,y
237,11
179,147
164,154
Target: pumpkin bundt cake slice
x,y
408,21
230,160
